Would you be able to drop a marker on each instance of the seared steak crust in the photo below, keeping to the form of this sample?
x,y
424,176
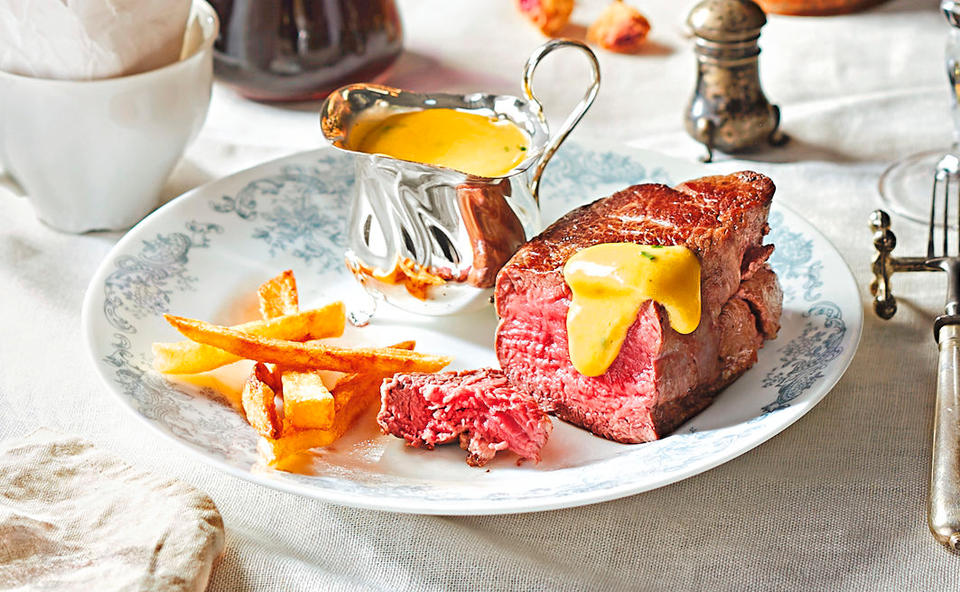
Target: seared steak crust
x,y
660,377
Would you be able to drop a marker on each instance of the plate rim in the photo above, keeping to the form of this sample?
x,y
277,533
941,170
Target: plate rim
x,y
451,508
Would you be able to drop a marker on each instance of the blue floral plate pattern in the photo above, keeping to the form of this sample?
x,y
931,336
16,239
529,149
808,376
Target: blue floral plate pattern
x,y
203,255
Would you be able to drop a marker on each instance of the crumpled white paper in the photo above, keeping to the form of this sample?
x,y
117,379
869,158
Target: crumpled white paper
x,y
90,39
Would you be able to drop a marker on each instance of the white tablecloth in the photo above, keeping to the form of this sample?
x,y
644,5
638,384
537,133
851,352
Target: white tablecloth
x,y
834,502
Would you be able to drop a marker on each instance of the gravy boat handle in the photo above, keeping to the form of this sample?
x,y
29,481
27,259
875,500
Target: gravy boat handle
x,y
574,117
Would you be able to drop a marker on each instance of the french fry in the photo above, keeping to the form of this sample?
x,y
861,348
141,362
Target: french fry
x,y
358,392
189,357
258,402
323,389
292,354
306,400
307,403
408,345
353,395
277,452
269,375
279,296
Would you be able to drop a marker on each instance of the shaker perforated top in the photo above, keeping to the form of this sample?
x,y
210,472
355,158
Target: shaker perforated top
x,y
727,20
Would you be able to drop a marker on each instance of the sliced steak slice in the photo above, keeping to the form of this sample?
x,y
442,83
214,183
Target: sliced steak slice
x,y
762,292
660,378
739,339
478,407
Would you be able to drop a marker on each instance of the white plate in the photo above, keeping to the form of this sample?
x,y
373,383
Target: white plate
x,y
203,255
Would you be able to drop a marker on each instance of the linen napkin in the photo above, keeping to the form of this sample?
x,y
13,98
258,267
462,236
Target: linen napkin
x,y
90,39
76,518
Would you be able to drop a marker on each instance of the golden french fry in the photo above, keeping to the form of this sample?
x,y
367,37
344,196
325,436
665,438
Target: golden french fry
x,y
279,296
350,394
358,393
353,395
188,357
269,375
307,403
292,354
278,452
258,403
408,345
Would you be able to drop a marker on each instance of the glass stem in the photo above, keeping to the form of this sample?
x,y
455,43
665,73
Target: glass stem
x,y
953,74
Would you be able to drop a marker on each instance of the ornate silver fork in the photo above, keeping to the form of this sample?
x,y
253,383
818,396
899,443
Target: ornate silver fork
x,y
943,508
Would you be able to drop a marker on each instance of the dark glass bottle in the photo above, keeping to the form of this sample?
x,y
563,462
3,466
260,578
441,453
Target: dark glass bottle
x,y
288,50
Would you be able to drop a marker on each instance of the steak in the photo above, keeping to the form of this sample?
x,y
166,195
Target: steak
x,y
480,407
660,378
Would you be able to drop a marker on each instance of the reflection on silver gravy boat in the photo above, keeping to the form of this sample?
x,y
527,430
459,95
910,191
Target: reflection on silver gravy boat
x,y
427,238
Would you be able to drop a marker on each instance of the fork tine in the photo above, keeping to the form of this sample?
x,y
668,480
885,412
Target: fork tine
x,y
933,216
946,214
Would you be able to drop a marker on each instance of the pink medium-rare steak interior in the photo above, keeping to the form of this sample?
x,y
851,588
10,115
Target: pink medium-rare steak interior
x,y
660,378
478,407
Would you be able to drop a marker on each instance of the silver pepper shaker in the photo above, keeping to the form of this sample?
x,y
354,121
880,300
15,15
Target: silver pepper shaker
x,y
728,110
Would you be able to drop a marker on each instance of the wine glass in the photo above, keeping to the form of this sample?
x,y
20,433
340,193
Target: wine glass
x,y
906,184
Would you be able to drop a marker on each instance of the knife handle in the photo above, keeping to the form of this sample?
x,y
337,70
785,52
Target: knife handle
x,y
943,511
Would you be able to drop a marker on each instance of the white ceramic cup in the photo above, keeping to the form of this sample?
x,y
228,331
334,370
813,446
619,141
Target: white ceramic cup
x,y
94,155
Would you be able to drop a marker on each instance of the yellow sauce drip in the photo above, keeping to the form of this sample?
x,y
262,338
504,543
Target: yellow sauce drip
x,y
470,143
610,282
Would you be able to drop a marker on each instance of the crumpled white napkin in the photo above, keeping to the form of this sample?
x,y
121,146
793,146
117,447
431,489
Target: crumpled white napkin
x,y
76,518
90,39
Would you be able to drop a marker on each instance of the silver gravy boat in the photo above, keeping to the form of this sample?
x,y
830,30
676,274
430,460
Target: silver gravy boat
x,y
430,239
